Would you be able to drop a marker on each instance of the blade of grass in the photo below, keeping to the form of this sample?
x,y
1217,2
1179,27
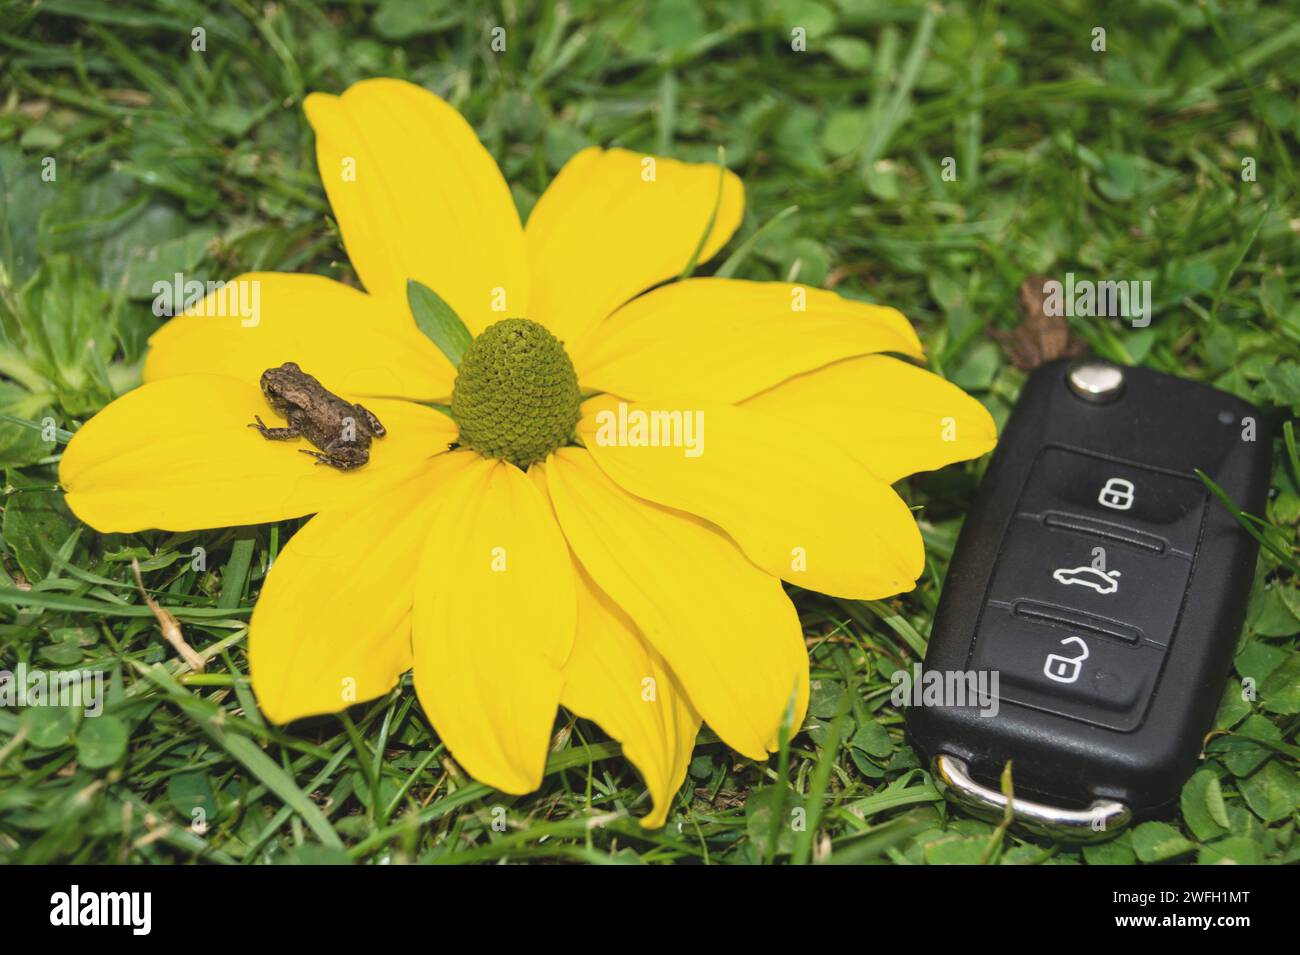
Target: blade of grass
x,y
1248,521
821,777
248,754
713,217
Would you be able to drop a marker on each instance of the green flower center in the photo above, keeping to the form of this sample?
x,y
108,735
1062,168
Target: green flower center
x,y
516,393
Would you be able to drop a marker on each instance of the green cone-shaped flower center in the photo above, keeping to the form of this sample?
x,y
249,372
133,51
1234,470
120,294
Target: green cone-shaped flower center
x,y
516,394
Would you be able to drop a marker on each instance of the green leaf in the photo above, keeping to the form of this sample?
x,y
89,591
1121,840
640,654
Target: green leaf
x,y
1117,851
954,849
309,853
1022,855
36,523
1158,841
866,765
161,262
845,131
49,727
1120,181
1272,792
388,788
816,18
192,791
403,19
824,697
1269,614
1233,707
948,291
61,654
21,444
1203,809
1241,850
849,52
1282,383
763,827
883,182
101,741
976,370
1244,756
1280,691
24,195
676,24
70,325
873,739
1257,660
805,262
438,321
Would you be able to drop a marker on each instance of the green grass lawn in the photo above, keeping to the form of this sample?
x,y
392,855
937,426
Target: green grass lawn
x,y
1170,157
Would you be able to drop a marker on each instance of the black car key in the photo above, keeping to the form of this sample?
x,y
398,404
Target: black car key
x,y
1105,588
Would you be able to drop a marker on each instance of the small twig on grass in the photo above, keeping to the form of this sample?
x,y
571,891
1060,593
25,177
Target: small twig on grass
x,y
169,625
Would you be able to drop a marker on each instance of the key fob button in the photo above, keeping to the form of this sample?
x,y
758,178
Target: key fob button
x,y
1116,497
1136,589
1095,381
1074,673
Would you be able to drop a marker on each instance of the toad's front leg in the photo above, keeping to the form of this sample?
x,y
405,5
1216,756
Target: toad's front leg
x,y
276,434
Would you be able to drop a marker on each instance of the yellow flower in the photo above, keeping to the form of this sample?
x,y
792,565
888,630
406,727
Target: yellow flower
x,y
637,586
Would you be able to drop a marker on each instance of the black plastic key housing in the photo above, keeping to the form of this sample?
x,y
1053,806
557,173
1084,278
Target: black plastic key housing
x,y
1104,584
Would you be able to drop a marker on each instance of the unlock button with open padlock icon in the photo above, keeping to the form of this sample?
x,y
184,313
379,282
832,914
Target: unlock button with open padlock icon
x,y
1063,668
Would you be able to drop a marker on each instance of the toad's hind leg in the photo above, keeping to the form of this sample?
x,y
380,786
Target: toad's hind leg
x,y
345,459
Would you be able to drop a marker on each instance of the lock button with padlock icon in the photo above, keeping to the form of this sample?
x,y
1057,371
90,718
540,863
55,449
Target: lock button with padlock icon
x,y
1117,494
1066,668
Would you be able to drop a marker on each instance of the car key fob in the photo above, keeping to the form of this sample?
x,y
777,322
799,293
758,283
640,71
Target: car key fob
x,y
1103,588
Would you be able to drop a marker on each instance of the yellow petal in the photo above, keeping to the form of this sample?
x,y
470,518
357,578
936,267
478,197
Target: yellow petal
x,y
799,506
895,418
178,454
726,628
494,620
726,339
620,682
417,196
616,679
332,626
612,224
365,345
